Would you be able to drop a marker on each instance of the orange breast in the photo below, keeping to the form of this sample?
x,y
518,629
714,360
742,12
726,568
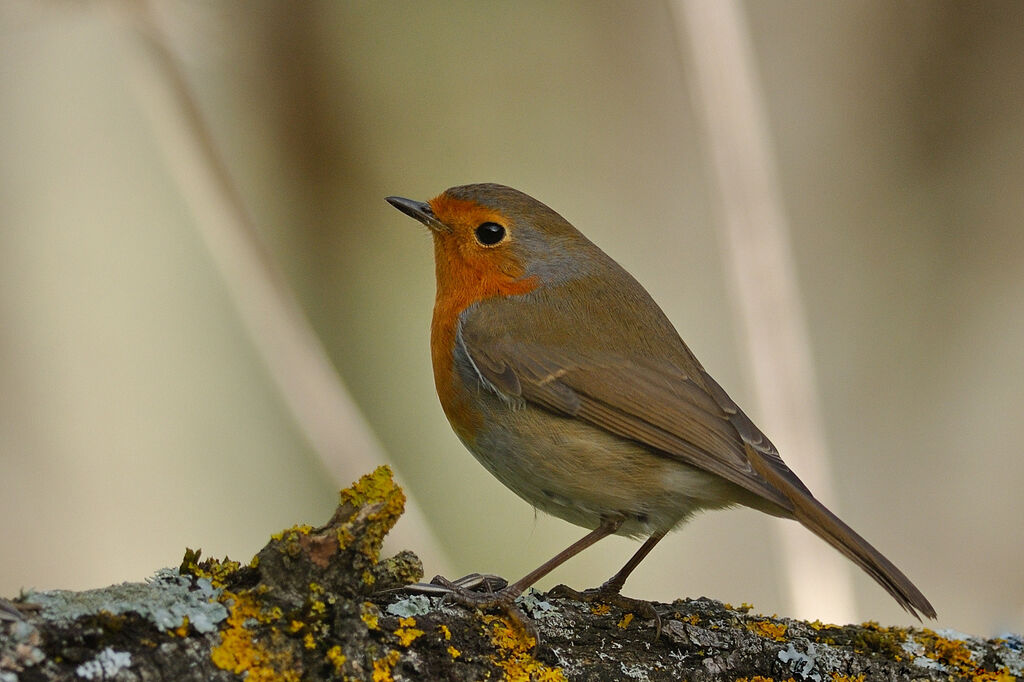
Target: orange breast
x,y
465,275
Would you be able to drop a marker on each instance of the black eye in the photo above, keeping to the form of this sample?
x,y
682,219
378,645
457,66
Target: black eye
x,y
490,234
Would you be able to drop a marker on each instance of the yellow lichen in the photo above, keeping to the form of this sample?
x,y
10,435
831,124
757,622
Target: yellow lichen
x,y
292,533
956,654
374,487
217,571
874,638
290,540
948,651
445,632
836,677
768,630
514,655
382,667
379,492
600,609
407,632
692,619
626,620
453,652
370,615
264,644
242,653
181,630
336,658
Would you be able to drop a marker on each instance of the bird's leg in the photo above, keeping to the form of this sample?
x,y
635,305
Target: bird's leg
x,y
468,588
609,592
609,525
614,584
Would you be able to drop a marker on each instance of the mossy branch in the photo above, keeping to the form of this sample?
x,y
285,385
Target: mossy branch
x,y
320,604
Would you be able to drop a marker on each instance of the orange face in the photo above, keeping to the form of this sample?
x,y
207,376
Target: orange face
x,y
477,258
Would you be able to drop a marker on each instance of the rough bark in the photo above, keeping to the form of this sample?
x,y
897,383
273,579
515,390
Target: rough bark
x,y
319,604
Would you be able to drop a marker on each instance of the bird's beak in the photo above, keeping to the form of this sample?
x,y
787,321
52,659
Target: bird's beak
x,y
420,211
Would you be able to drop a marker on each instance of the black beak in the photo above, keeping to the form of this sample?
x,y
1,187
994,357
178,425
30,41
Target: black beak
x,y
420,211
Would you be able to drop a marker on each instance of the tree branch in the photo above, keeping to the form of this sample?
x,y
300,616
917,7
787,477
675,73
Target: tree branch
x,y
320,603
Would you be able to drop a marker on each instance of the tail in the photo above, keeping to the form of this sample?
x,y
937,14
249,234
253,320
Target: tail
x,y
826,525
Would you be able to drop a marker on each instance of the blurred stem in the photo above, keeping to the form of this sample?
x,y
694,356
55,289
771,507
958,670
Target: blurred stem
x,y
298,364
756,251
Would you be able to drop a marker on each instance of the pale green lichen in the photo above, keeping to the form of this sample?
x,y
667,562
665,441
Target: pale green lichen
x,y
166,600
414,605
107,664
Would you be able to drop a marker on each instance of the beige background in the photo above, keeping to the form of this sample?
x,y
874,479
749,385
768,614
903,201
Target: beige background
x,y
136,419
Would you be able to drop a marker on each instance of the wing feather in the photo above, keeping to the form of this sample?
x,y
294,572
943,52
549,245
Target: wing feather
x,y
653,403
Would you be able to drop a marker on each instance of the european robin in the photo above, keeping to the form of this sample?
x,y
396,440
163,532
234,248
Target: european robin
x,y
564,378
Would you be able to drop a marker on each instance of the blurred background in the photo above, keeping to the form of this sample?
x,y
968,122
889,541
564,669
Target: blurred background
x,y
136,417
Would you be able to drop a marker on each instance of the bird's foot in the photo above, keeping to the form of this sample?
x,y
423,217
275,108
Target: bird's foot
x,y
475,583
483,592
609,594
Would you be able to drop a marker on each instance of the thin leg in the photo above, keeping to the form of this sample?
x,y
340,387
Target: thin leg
x,y
609,592
615,583
608,526
508,594
505,597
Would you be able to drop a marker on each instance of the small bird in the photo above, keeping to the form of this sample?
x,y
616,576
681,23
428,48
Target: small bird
x,y
564,378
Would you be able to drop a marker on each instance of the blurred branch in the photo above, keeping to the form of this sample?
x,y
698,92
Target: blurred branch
x,y
767,299
298,364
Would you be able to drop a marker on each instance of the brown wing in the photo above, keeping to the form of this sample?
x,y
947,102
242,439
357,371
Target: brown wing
x,y
689,418
654,403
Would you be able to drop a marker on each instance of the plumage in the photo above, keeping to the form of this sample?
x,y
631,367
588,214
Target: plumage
x,y
566,380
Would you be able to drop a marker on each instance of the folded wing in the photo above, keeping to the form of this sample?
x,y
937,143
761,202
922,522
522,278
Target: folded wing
x,y
681,414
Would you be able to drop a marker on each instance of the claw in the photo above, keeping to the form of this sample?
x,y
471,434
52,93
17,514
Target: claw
x,y
440,586
610,595
480,591
478,582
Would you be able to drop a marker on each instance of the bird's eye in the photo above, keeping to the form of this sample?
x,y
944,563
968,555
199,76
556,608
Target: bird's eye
x,y
490,234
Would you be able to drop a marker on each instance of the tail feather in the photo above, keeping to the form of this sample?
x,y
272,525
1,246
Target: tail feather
x,y
826,525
